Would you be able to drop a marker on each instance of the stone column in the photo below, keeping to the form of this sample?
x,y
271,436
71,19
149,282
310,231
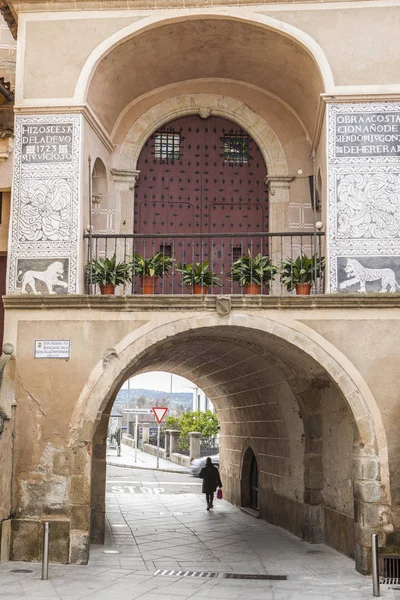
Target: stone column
x,y
145,433
278,186
167,442
45,225
173,441
194,437
363,167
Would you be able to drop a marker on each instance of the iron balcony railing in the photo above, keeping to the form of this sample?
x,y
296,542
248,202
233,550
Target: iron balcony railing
x,y
219,251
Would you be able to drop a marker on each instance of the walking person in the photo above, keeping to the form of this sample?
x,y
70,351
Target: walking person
x,y
211,480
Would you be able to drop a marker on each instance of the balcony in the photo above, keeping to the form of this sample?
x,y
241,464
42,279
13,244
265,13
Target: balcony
x,y
192,264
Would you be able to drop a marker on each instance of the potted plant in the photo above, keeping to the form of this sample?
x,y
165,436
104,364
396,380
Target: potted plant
x,y
199,276
301,272
107,273
252,272
148,269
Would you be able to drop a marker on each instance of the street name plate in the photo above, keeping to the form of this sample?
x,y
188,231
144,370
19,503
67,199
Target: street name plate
x,y
52,349
138,411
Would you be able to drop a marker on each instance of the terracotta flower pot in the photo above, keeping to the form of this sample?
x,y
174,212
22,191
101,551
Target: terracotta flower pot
x,y
252,288
148,284
303,289
199,289
108,289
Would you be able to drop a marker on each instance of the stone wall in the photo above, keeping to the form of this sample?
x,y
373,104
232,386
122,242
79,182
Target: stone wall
x,y
269,375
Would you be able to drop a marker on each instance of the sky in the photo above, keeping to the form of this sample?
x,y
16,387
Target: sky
x,y
161,381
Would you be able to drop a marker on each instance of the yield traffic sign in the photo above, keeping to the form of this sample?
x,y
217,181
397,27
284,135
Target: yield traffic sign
x,y
159,412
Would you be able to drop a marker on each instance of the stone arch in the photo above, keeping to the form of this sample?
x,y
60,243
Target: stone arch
x,y
202,104
111,371
175,16
125,160
138,351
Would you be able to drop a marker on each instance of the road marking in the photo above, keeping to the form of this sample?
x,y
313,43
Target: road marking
x,y
125,481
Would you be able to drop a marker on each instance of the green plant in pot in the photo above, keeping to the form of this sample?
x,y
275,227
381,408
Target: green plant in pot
x,y
108,273
149,269
199,276
252,272
299,273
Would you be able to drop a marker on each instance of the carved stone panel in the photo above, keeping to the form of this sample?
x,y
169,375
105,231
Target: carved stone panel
x,y
364,197
45,213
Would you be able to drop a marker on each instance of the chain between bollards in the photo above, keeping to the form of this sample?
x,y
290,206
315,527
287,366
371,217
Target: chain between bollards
x,y
45,555
375,566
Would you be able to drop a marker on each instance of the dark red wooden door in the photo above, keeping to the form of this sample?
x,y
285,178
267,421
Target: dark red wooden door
x,y
201,176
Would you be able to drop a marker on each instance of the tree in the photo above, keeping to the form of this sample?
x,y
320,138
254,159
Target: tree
x,y
141,401
204,422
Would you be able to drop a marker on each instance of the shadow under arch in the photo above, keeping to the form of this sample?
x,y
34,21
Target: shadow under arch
x,y
234,14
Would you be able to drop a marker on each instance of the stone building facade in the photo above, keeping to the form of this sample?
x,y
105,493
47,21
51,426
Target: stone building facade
x,y
129,121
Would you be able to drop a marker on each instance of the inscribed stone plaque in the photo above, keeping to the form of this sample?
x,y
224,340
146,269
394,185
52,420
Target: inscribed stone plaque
x,y
367,134
364,197
46,142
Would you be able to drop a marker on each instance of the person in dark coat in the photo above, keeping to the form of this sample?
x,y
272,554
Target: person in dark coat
x,y
211,480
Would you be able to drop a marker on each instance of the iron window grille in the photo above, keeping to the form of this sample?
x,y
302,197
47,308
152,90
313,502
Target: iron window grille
x,y
236,148
167,145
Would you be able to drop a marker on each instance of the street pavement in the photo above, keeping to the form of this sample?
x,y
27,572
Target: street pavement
x,y
143,460
162,544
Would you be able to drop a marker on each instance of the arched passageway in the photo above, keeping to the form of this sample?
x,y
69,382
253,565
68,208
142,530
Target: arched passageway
x,y
270,395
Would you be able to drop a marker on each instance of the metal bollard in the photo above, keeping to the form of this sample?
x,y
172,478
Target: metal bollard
x,y
45,556
375,566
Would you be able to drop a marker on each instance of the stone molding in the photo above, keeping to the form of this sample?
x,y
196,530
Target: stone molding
x,y
125,176
277,181
200,303
203,105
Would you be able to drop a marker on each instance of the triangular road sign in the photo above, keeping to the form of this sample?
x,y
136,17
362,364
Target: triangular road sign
x,y
159,412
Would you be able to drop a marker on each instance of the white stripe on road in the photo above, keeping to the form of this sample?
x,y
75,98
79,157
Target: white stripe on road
x,y
154,482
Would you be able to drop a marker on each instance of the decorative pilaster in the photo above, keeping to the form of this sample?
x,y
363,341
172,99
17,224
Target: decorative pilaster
x,y
364,197
45,223
278,187
125,182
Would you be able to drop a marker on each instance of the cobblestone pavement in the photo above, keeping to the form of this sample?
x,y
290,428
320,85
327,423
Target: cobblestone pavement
x,y
157,524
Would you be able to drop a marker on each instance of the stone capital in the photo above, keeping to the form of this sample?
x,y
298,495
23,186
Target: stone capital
x,y
277,181
125,176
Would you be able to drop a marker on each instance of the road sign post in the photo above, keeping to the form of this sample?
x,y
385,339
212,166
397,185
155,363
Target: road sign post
x,y
158,445
136,436
159,413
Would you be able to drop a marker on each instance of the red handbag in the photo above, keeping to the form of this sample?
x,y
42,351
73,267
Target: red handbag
x,y
219,494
